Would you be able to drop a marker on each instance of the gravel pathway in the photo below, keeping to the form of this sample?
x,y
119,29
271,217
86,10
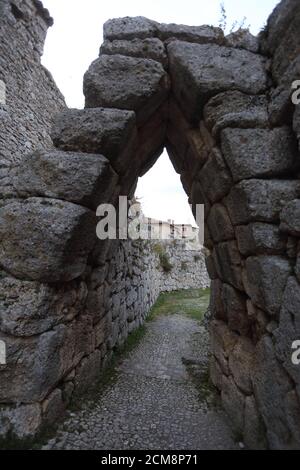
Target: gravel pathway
x,y
155,402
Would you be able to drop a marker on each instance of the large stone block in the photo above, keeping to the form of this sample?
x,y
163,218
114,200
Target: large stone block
x,y
233,401
288,330
288,48
278,24
219,224
240,364
111,132
215,178
216,302
228,263
46,240
149,48
200,71
140,85
254,430
87,373
198,152
271,385
223,341
235,308
236,109
31,308
296,123
266,278
152,138
36,364
216,373
252,153
243,39
260,200
260,239
196,34
84,179
290,218
23,422
129,28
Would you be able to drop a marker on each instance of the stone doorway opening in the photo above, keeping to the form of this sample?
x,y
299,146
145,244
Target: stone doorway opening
x,y
222,108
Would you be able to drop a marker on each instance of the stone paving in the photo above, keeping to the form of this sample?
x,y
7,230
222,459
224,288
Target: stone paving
x,y
154,403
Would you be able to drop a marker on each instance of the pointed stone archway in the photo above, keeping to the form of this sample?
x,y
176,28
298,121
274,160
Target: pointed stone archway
x,y
221,106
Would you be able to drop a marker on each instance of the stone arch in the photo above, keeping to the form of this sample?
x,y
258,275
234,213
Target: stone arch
x,y
221,106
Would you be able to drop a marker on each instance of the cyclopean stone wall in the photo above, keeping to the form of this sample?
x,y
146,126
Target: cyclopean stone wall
x,y
64,335
30,98
222,108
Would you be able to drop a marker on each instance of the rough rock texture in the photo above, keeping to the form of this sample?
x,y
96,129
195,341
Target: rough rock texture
x,y
236,109
151,48
123,82
32,98
84,179
252,153
62,234
223,109
201,71
101,130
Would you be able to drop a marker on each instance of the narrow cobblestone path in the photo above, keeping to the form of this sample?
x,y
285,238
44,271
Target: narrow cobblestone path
x,y
154,403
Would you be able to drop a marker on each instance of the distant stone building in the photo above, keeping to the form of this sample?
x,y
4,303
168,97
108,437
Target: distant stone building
x,y
155,229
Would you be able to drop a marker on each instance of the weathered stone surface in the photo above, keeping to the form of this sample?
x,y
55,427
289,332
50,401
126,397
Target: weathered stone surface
x,y
219,224
259,238
200,71
216,303
210,267
216,373
296,123
291,405
233,402
140,85
252,153
240,364
280,105
254,431
228,263
46,240
288,330
30,308
35,365
84,179
234,306
110,132
290,218
243,39
288,48
198,152
150,48
196,34
270,390
260,200
266,280
223,340
278,24
129,28
53,408
215,178
152,137
23,422
87,373
236,109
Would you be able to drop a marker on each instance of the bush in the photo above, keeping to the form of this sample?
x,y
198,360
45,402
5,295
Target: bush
x,y
163,258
